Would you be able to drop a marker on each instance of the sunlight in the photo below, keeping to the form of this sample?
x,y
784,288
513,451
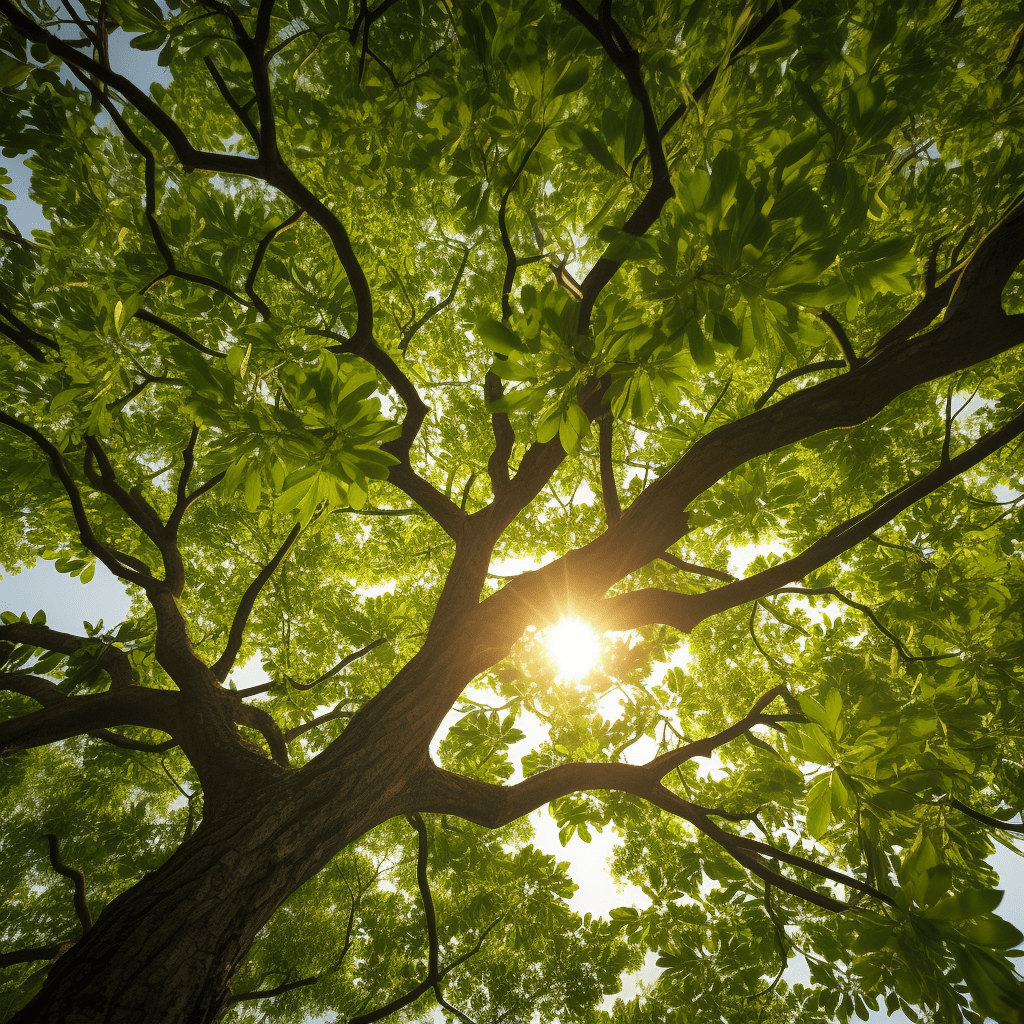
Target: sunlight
x,y
575,648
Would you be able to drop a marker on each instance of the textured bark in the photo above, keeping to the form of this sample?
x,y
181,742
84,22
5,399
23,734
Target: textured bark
x,y
164,952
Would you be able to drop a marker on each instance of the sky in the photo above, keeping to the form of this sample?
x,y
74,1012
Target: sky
x,y
68,602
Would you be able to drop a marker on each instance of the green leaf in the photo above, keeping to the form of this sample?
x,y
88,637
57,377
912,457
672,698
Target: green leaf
x,y
819,806
125,309
574,77
993,931
972,903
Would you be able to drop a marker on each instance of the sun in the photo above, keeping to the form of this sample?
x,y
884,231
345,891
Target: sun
x,y
575,648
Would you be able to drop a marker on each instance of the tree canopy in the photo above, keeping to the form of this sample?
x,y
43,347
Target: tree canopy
x,y
708,314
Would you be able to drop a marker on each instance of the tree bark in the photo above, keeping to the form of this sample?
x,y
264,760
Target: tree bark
x,y
164,951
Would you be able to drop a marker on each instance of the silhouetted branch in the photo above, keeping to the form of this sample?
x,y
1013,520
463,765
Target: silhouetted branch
x,y
288,986
409,331
344,663
261,251
26,956
986,819
223,664
839,333
111,558
824,364
901,648
77,878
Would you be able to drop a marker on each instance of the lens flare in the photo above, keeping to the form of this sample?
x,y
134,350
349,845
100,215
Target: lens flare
x,y
575,648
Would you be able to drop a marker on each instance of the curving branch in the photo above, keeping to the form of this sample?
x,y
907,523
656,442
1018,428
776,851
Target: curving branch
x,y
344,663
338,711
986,819
758,29
165,325
800,371
839,333
113,660
410,329
685,611
261,251
237,109
77,878
26,338
89,713
626,59
223,665
435,972
120,565
901,648
697,570
263,722
492,805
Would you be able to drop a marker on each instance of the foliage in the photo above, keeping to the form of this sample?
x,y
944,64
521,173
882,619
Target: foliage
x,y
365,306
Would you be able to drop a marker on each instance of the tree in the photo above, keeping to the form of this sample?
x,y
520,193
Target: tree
x,y
369,301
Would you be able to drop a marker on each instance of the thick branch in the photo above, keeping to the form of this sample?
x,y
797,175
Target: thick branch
x,y
113,660
74,716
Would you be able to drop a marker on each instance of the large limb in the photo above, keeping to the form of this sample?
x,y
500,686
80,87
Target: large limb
x,y
977,330
494,805
113,660
685,611
74,716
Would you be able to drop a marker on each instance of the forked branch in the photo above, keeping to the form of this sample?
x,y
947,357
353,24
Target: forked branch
x,y
493,805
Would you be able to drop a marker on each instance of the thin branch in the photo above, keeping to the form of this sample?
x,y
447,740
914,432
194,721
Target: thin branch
x,y
110,557
626,59
901,648
244,997
839,333
223,664
261,251
409,331
775,10
239,112
698,570
77,878
986,819
824,364
338,711
165,325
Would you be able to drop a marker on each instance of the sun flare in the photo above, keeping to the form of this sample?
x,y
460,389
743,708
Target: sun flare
x,y
575,648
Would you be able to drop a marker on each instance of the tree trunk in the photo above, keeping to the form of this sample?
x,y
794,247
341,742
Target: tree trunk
x,y
164,951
